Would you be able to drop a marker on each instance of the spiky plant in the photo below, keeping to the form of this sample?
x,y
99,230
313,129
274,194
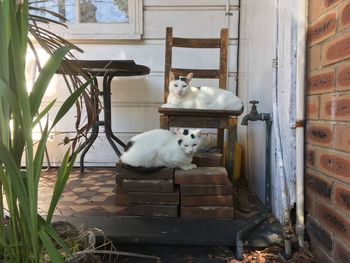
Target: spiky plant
x,y
26,234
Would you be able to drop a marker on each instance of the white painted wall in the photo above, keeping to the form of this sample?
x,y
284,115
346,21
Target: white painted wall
x,y
135,101
268,32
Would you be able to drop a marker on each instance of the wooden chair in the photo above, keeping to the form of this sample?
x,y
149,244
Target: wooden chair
x,y
195,118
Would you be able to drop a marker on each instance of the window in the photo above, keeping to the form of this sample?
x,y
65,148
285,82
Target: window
x,y
96,19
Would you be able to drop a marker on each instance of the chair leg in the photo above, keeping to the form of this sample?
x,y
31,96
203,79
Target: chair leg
x,y
164,122
231,146
220,139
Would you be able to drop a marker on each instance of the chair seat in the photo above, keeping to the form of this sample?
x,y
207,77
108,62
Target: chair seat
x,y
198,112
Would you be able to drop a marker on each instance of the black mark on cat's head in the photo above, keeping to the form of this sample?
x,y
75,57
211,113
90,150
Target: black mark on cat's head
x,y
181,78
179,142
185,132
128,146
192,136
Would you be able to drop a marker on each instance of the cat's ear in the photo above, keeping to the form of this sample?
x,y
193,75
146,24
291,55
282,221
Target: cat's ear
x,y
179,131
198,133
171,76
189,77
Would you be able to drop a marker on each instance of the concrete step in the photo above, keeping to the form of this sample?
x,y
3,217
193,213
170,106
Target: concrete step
x,y
219,212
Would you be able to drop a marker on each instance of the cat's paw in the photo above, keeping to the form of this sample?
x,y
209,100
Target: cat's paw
x,y
189,167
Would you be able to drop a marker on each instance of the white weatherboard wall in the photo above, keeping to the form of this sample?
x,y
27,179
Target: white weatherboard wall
x,y
268,34
135,101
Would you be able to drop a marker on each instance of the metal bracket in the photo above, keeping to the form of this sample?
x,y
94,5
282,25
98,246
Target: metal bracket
x,y
228,14
275,63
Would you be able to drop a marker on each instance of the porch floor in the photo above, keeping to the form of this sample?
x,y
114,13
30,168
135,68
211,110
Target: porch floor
x,y
90,199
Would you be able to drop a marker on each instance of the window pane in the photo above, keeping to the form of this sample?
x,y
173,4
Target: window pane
x,y
65,8
103,11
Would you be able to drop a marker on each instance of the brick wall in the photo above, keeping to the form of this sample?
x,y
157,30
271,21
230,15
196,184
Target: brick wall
x,y
327,157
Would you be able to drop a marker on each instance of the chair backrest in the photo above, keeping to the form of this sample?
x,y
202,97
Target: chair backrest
x,y
219,43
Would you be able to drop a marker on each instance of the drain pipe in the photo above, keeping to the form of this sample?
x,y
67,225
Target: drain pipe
x,y
255,116
299,124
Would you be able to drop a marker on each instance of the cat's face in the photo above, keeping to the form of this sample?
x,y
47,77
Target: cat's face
x,y
179,86
189,140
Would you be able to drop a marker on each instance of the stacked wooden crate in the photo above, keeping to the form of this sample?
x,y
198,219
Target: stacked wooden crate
x,y
205,192
152,194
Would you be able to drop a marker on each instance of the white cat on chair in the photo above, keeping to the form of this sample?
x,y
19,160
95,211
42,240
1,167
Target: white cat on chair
x,y
183,95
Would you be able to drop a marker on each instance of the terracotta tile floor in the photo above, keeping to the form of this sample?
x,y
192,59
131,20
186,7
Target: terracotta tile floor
x,y
92,193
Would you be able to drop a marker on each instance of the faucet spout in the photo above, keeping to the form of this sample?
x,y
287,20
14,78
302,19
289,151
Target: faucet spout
x,y
253,115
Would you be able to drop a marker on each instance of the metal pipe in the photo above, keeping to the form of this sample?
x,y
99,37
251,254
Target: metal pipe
x,y
299,125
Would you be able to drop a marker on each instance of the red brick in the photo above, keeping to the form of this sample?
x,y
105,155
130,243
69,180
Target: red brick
x,y
224,200
342,136
196,190
319,185
336,49
342,197
119,189
320,82
224,212
314,57
335,107
319,233
154,198
341,252
322,29
314,10
202,175
335,164
335,221
153,210
207,159
311,156
329,3
121,199
344,19
312,107
164,173
343,77
309,202
320,134
159,186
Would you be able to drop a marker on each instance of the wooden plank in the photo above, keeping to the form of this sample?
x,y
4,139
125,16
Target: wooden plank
x,y
223,212
207,159
159,186
223,200
164,173
202,175
231,146
197,73
196,42
199,112
197,122
168,60
195,190
223,58
153,198
153,210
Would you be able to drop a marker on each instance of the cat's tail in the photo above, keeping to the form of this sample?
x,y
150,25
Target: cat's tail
x,y
139,169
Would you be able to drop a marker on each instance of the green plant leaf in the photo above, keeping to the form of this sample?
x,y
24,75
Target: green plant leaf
x,y
43,112
69,102
45,77
49,246
8,96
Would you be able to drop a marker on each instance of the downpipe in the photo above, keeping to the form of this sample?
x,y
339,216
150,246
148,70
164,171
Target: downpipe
x,y
299,124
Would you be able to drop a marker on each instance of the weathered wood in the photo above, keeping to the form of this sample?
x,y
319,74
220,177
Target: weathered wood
x,y
195,190
231,146
164,122
223,200
196,42
168,60
197,73
198,112
223,212
197,122
153,210
202,175
153,198
159,186
207,159
223,58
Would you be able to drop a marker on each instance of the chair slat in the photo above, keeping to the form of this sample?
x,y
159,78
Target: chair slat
x,y
196,43
198,73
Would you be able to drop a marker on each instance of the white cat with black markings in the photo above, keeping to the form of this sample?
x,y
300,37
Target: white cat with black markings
x,y
183,95
162,148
